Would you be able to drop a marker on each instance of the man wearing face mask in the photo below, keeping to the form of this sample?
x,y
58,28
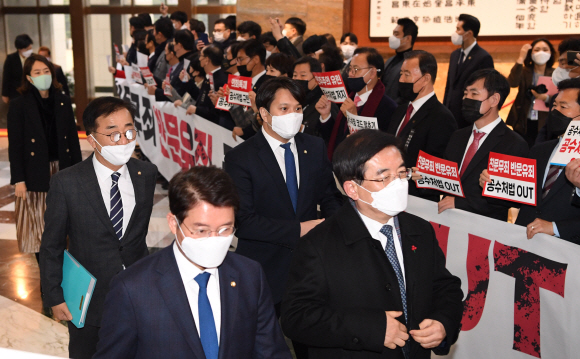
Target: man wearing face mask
x,y
554,213
209,301
281,176
421,121
175,68
12,72
370,281
348,43
101,207
464,62
367,98
402,41
221,34
469,147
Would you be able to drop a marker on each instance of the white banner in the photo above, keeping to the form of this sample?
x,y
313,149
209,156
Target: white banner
x,y
506,314
171,139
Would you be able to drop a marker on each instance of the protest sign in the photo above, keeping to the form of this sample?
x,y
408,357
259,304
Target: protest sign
x,y
332,85
240,88
512,178
438,174
569,146
357,123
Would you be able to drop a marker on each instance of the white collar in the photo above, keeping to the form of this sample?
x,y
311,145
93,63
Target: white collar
x,y
212,72
374,227
274,143
420,102
489,127
364,97
468,50
257,77
104,172
187,269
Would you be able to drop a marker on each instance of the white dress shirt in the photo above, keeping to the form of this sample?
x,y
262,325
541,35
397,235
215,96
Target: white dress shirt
x,y
257,77
125,187
485,129
188,273
279,154
416,106
363,99
374,229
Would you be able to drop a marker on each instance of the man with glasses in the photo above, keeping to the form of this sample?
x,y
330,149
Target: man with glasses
x,y
367,98
195,298
371,281
101,207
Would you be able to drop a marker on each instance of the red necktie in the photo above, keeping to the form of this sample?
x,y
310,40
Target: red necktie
x,y
357,100
550,179
471,151
407,118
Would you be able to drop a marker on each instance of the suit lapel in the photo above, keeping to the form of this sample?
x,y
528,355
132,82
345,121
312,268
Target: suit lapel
x,y
560,181
466,63
419,116
457,154
397,118
229,294
304,158
139,186
488,144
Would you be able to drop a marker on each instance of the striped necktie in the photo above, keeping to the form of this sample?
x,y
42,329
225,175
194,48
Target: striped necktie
x,y
550,179
116,206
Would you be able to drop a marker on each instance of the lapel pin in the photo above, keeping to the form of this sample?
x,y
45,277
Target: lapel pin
x,y
139,173
469,58
305,151
233,284
413,248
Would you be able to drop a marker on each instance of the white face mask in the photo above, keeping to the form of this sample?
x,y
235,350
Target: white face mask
x,y
240,39
287,126
285,33
540,58
218,36
394,42
268,54
392,199
456,39
27,53
116,155
208,252
348,51
559,75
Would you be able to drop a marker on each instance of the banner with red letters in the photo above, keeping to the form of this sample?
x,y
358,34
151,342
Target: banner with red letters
x,y
512,178
332,85
240,88
520,296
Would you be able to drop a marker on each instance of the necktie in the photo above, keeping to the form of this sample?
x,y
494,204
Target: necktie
x,y
407,118
471,151
208,333
550,179
116,206
291,180
357,100
461,56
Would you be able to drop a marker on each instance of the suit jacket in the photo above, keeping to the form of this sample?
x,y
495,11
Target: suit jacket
x,y
28,148
557,206
500,140
204,107
61,78
428,130
392,73
341,283
174,81
311,119
161,66
298,44
268,229
75,208
147,313
12,75
477,59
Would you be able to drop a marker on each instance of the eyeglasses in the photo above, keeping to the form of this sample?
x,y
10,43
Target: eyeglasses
x,y
354,70
403,175
116,136
204,233
240,59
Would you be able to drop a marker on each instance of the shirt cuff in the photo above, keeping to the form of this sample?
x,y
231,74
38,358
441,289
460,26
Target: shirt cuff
x,y
555,228
577,191
323,120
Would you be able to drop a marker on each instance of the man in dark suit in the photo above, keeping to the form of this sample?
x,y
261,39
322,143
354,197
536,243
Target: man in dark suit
x,y
485,93
12,72
281,176
573,175
222,31
402,41
174,70
188,301
463,62
367,98
371,275
102,206
421,121
294,29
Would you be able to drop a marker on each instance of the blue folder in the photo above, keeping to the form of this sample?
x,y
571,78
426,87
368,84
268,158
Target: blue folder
x,y
77,286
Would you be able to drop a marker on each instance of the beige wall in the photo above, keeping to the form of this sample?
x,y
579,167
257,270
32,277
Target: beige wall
x,y
321,16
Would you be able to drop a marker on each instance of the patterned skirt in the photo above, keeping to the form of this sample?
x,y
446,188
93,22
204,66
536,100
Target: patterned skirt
x,y
29,214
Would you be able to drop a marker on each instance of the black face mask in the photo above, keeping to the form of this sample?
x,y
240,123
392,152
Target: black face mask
x,y
303,84
470,110
557,123
355,83
406,90
226,65
243,70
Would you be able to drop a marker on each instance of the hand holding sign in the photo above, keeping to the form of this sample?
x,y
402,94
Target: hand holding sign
x,y
573,172
357,123
348,106
332,85
323,107
569,147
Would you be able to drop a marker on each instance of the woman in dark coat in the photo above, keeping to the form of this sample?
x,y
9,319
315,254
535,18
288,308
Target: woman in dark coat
x,y
535,60
42,138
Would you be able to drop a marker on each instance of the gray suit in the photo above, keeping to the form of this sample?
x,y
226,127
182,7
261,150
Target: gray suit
x,y
161,67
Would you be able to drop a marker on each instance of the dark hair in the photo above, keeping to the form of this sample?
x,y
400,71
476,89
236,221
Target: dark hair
x,y
254,48
281,62
171,49
22,41
350,157
427,62
494,82
146,19
470,23
137,23
214,54
231,22
165,27
196,65
314,64
331,57
330,38
528,60
351,36
44,48
267,92
298,24
150,37
102,107
197,26
569,44
251,28
201,184
409,28
227,24
234,47
140,37
570,84
313,44
373,57
267,37
25,85
185,38
179,16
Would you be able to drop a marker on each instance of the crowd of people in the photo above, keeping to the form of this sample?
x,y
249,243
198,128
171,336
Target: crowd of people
x,y
331,268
